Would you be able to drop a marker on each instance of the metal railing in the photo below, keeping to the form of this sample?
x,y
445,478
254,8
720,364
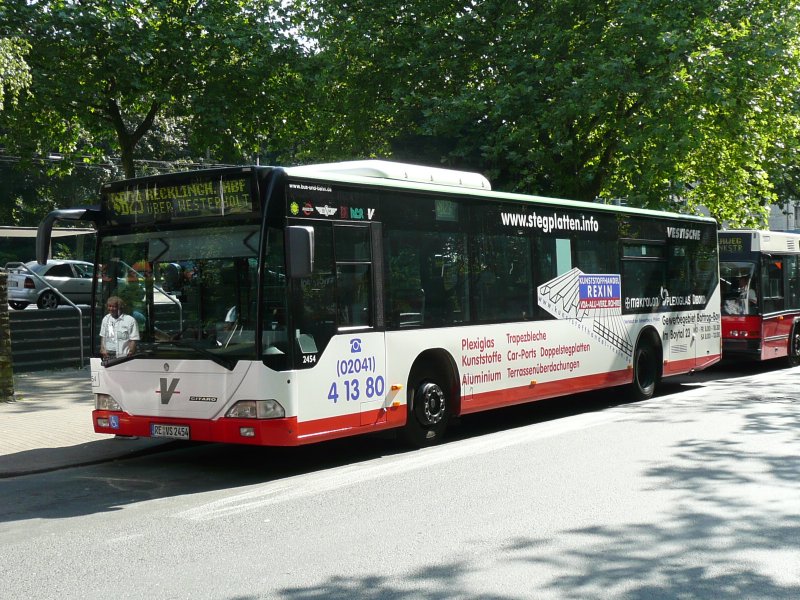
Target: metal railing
x,y
22,266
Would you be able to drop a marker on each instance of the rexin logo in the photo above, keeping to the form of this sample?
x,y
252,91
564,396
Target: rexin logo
x,y
166,392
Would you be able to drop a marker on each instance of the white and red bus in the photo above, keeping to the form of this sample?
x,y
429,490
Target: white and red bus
x,y
282,306
760,285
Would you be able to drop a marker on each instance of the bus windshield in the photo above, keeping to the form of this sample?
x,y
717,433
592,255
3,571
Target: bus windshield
x,y
194,292
739,288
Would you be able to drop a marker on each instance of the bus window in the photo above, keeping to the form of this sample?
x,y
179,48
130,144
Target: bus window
x,y
553,257
444,267
317,293
739,288
596,256
353,275
772,282
643,273
501,285
274,282
353,285
563,256
793,281
679,281
428,277
405,296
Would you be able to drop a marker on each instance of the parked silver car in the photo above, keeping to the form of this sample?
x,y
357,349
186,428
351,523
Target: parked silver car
x,y
73,278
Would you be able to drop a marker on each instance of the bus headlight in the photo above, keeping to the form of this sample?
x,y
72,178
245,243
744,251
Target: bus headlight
x,y
256,409
105,402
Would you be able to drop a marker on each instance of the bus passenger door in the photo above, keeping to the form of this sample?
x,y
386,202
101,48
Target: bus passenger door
x,y
358,260
340,318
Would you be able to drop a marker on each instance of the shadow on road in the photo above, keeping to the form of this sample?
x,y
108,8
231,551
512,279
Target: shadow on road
x,y
191,468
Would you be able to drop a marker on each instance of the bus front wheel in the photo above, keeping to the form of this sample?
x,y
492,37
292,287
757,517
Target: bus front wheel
x,y
646,361
427,414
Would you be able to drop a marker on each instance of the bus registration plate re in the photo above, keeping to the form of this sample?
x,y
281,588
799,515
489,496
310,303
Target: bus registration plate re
x,y
180,432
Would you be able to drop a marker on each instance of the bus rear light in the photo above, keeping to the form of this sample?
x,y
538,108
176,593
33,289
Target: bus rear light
x,y
247,431
256,409
103,422
105,402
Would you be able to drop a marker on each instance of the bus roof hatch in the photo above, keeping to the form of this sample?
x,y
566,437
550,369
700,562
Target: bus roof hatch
x,y
384,169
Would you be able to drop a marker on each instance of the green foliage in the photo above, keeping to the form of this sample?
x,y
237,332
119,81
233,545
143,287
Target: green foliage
x,y
104,72
15,75
666,103
28,194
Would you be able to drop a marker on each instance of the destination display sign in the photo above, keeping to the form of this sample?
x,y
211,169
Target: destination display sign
x,y
154,202
734,243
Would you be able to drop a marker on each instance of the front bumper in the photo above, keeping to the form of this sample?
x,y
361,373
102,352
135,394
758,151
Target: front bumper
x,y
260,432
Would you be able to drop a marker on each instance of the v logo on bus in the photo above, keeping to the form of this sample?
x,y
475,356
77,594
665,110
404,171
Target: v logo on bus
x,y
166,392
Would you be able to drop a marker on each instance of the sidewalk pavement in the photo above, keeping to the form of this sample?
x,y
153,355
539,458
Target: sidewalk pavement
x,y
50,426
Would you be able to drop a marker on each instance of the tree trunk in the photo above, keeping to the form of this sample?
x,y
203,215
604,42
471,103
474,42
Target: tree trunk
x,y
128,139
6,364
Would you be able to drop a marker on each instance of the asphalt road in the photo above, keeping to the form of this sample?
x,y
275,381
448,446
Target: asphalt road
x,y
693,494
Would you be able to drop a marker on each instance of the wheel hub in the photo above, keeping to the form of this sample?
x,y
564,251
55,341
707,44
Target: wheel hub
x,y
433,404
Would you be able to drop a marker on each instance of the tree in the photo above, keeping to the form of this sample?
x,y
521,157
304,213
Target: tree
x,y
104,72
665,103
29,193
15,75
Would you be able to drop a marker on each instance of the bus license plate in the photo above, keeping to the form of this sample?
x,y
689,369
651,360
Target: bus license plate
x,y
179,432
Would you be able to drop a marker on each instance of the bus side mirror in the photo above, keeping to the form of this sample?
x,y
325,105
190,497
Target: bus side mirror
x,y
300,251
89,213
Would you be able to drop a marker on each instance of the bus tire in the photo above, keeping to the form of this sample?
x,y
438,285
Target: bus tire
x,y
646,370
428,412
793,356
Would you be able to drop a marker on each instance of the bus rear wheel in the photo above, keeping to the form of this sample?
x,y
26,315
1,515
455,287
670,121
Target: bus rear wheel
x,y
793,357
646,360
428,414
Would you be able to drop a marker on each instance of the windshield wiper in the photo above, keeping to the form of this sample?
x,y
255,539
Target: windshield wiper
x,y
122,359
220,360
